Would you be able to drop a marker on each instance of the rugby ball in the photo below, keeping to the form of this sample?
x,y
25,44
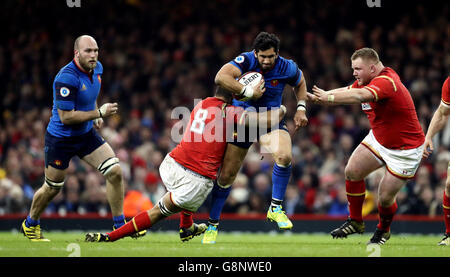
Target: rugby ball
x,y
251,78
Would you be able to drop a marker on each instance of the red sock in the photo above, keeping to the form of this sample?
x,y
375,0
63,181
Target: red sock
x,y
356,193
186,219
385,215
446,208
140,222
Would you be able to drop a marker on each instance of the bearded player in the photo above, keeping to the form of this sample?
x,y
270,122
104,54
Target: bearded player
x,y
278,72
437,123
189,170
71,132
395,141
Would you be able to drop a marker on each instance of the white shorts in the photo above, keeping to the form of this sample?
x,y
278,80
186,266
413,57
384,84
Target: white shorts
x,y
188,189
401,163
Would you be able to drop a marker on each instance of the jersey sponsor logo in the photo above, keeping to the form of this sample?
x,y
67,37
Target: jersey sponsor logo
x,y
239,59
366,106
64,92
83,88
375,87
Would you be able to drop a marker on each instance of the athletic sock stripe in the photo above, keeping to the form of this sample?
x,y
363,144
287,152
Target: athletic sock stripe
x,y
356,194
134,225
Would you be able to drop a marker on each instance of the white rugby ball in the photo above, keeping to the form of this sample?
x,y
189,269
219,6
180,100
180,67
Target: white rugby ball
x,y
251,78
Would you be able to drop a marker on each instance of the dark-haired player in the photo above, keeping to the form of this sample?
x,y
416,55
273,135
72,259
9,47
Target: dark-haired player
x,y
189,170
277,72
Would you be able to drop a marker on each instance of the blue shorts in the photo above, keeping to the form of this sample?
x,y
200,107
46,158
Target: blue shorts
x,y
59,151
248,141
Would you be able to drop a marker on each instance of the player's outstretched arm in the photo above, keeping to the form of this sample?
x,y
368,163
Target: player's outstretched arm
x,y
437,123
76,117
348,96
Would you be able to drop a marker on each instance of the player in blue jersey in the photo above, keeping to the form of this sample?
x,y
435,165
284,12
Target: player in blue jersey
x,y
278,72
70,133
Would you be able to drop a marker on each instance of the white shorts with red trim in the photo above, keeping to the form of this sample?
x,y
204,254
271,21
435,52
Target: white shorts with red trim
x,y
400,163
188,189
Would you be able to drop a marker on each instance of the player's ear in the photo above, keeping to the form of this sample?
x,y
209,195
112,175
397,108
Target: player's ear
x,y
254,53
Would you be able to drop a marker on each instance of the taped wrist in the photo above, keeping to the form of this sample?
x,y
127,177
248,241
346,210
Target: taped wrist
x,y
301,105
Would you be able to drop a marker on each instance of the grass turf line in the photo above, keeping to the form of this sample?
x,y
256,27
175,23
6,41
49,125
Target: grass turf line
x,y
168,244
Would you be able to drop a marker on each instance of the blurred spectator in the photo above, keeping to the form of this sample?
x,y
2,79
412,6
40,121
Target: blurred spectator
x,y
339,206
135,202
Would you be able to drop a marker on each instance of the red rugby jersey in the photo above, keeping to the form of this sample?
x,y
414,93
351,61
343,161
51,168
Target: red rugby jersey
x,y
446,92
205,139
392,114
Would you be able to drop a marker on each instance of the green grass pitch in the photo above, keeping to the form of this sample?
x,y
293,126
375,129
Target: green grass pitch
x,y
168,244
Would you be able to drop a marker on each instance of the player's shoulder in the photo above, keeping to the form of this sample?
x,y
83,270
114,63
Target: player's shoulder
x,y
387,76
99,68
246,55
447,83
243,58
286,66
68,75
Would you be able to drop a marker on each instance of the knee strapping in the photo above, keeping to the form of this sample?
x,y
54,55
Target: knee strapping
x,y
106,166
164,210
53,184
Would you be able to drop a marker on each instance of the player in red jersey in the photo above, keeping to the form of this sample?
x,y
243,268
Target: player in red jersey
x,y
437,123
189,170
395,141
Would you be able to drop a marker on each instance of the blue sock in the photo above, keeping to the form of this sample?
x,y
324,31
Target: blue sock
x,y
119,221
219,196
29,222
280,179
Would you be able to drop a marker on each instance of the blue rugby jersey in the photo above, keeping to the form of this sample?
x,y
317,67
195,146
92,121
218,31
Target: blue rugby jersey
x,y
284,72
74,89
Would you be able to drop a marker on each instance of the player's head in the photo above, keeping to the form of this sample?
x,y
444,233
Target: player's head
x,y
86,52
266,47
224,94
365,64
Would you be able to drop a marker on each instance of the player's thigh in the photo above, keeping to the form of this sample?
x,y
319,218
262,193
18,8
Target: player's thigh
x,y
388,188
99,155
55,174
361,163
232,162
279,144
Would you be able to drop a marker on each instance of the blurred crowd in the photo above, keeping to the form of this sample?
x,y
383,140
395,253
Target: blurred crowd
x,y
158,55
